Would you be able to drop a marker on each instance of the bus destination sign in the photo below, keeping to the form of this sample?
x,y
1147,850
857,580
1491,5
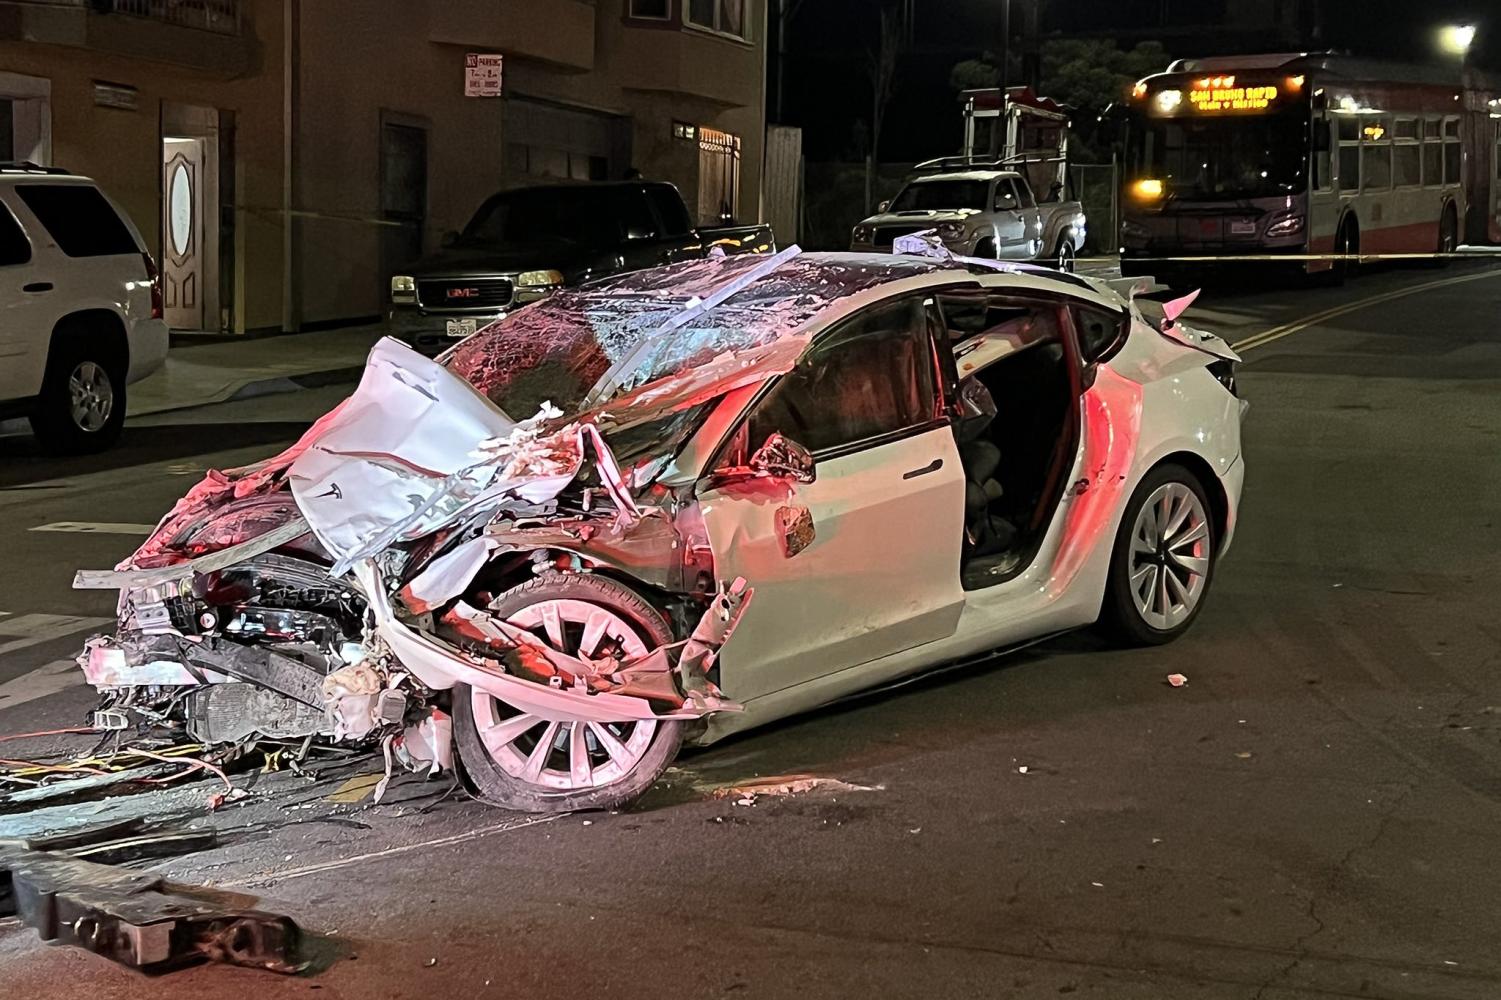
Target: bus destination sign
x,y
1219,94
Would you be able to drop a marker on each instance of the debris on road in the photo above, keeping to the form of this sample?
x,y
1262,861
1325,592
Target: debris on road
x,y
1177,680
780,786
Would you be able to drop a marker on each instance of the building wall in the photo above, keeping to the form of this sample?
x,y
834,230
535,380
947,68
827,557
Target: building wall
x,y
585,87
121,149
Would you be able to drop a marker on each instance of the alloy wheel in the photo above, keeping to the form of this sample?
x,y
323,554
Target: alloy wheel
x,y
1169,556
1066,256
565,755
91,396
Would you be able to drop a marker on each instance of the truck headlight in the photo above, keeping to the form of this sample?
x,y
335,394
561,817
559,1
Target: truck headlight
x,y
1289,225
539,279
950,230
864,234
403,288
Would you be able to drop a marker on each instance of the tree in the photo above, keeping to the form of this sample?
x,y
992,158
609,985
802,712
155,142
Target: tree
x,y
1091,73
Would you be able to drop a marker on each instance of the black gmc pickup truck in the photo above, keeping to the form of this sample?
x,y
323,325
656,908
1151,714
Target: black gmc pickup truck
x,y
524,244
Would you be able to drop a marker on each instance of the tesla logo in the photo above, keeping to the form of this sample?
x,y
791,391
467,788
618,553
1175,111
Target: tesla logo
x,y
463,293
332,491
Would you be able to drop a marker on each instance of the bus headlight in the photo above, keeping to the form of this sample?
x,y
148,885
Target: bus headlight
x,y
1147,189
1289,225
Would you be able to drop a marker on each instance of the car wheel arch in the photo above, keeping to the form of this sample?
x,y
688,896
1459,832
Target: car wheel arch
x,y
1209,479
100,323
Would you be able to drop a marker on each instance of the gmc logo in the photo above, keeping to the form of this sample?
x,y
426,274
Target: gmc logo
x,y
463,293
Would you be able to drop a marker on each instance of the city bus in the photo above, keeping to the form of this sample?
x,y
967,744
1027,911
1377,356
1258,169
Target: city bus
x,y
1318,158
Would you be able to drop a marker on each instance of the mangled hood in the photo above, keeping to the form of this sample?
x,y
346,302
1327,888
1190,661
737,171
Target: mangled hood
x,y
416,448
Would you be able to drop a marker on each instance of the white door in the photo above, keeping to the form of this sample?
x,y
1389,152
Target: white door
x,y
28,310
862,562
183,252
1011,236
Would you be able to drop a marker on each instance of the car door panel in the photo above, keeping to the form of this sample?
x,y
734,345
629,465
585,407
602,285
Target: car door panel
x,y
880,575
1010,223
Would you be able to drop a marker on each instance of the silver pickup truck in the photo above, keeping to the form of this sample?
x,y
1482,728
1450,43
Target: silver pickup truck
x,y
979,213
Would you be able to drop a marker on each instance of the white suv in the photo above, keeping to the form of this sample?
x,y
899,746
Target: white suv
x,y
80,308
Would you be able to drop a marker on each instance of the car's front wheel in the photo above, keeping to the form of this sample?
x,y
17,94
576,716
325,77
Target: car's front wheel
x,y
1163,560
523,762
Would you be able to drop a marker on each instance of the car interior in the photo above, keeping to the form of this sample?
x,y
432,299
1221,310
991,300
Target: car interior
x,y
1018,429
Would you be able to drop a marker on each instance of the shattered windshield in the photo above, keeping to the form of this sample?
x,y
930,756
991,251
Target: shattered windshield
x,y
558,349
921,196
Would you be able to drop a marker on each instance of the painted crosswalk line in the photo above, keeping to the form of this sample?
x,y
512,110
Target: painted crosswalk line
x,y
18,632
98,527
48,679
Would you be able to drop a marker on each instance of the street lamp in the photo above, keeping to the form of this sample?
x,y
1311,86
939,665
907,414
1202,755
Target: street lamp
x,y
1455,39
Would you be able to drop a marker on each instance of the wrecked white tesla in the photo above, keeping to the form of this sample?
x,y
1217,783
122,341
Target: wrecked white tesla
x,y
751,486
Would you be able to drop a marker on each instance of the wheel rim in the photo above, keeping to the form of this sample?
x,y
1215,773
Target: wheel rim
x,y
1169,556
566,756
91,396
1066,257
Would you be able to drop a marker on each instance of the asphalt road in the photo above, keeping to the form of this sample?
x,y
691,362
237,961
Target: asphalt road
x,y
1314,815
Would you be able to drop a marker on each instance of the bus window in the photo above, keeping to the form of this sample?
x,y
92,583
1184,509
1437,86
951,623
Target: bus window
x,y
1451,151
1375,154
1349,152
1433,152
1321,179
1407,153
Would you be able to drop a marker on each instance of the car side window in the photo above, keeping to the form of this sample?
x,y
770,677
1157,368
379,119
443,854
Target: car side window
x,y
635,214
80,219
15,248
1005,196
670,210
1100,332
875,376
1024,193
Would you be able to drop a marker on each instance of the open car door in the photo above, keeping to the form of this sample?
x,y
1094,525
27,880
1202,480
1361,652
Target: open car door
x,y
862,561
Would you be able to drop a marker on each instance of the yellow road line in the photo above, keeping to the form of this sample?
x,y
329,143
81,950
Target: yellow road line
x,y
1288,329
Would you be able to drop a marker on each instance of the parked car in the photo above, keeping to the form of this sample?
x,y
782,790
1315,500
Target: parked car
x,y
82,301
752,486
522,245
980,213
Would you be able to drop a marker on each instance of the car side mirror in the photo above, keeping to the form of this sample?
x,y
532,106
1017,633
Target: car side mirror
x,y
779,457
449,238
882,207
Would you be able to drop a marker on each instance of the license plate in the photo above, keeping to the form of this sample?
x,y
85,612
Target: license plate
x,y
1242,227
458,328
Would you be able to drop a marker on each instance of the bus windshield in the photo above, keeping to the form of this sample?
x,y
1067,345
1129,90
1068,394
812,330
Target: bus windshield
x,y
1207,159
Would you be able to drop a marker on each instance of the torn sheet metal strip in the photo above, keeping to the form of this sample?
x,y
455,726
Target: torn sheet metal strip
x,y
139,919
96,579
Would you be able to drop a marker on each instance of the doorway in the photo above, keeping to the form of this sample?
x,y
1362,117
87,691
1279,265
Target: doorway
x,y
190,217
403,196
718,176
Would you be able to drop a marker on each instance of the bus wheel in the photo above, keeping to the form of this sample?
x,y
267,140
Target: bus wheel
x,y
1448,237
1346,253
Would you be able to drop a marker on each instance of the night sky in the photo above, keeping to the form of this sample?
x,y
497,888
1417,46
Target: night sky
x,y
828,93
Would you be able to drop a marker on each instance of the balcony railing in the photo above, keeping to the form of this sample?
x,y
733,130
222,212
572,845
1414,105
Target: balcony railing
x,y
221,16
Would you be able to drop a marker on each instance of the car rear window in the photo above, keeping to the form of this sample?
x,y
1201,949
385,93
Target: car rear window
x,y
79,218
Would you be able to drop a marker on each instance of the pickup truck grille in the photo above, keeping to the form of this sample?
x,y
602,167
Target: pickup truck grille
x,y
464,293
886,234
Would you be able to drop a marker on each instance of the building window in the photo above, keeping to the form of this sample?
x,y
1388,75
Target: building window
x,y
724,16
651,10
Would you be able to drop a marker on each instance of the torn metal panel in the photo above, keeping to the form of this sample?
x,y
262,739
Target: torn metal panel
x,y
86,579
141,920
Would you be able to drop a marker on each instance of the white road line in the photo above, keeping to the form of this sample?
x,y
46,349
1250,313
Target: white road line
x,y
48,679
98,527
33,630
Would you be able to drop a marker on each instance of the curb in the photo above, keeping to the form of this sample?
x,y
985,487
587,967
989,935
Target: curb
x,y
261,387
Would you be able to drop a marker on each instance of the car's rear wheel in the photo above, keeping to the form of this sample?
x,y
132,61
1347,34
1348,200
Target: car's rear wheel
x,y
523,762
1163,560
81,408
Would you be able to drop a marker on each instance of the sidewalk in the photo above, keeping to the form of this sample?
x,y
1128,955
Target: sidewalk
x,y
199,375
